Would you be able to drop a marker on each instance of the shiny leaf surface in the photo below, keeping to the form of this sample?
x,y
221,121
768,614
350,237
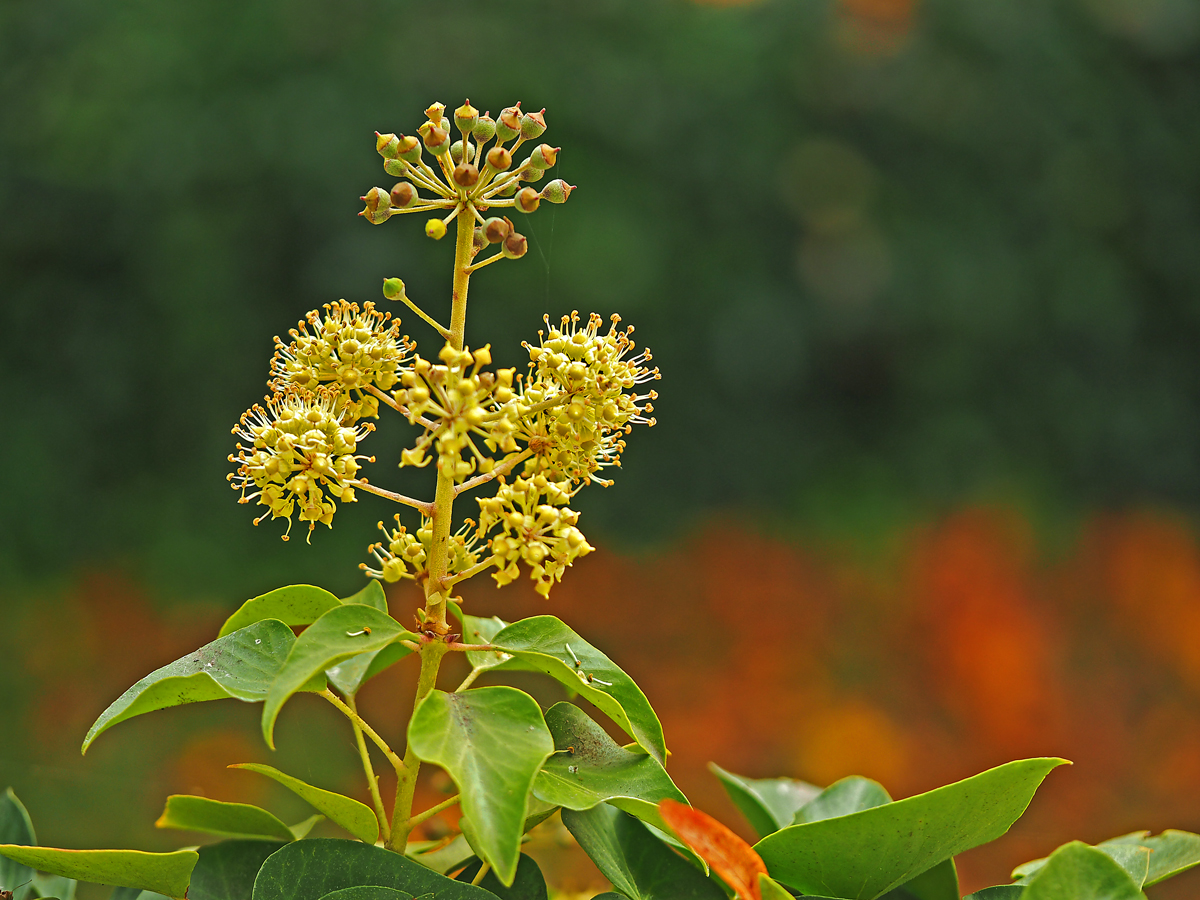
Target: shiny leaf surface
x,y
296,604
189,813
163,873
357,818
767,803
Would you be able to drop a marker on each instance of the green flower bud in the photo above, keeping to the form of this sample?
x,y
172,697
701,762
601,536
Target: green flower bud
x,y
499,159
393,288
515,245
557,191
436,229
544,156
532,174
533,124
478,240
507,190
378,206
496,229
527,200
485,128
388,145
466,174
403,194
456,152
509,124
409,149
466,117
437,140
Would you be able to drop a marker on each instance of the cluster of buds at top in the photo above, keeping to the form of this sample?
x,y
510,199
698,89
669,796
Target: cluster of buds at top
x,y
298,449
468,174
357,354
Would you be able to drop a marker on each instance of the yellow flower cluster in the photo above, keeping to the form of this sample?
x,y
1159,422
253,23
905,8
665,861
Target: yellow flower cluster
x,y
536,527
297,450
347,349
404,554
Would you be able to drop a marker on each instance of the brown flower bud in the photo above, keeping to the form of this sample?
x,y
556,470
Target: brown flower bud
x,y
387,145
557,191
437,140
485,128
466,117
409,149
533,124
496,229
515,245
403,194
544,156
378,206
509,125
527,200
499,159
466,174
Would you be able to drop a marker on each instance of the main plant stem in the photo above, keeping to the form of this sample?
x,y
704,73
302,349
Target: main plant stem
x,y
431,652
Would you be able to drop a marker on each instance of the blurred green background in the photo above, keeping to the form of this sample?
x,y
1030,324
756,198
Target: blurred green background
x,y
894,257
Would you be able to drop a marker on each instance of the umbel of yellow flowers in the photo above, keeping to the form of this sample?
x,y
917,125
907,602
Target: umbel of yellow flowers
x,y
529,440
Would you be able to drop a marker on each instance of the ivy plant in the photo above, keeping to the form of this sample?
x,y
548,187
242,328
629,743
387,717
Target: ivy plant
x,y
516,447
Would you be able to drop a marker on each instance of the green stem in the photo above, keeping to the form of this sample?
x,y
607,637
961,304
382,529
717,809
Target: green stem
x,y
433,811
406,786
443,510
372,779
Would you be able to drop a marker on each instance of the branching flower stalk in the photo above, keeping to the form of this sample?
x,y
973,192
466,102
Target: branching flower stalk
x,y
533,438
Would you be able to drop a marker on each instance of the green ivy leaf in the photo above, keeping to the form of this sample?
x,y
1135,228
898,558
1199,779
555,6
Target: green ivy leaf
x,y
226,871
241,665
1170,853
1076,871
529,884
639,866
849,795
189,813
864,855
357,818
368,892
15,828
309,870
771,889
336,636
546,644
1133,858
439,856
767,803
351,674
296,604
998,892
939,883
600,770
163,873
492,741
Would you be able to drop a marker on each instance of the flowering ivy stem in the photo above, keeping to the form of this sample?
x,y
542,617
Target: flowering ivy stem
x,y
431,652
421,505
502,469
440,329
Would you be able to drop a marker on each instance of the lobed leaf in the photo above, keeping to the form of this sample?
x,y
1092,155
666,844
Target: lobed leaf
x,y
312,869
162,873
1076,871
546,644
726,853
241,665
296,604
15,828
638,865
337,635
357,818
492,741
189,813
864,855
589,767
226,871
767,803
